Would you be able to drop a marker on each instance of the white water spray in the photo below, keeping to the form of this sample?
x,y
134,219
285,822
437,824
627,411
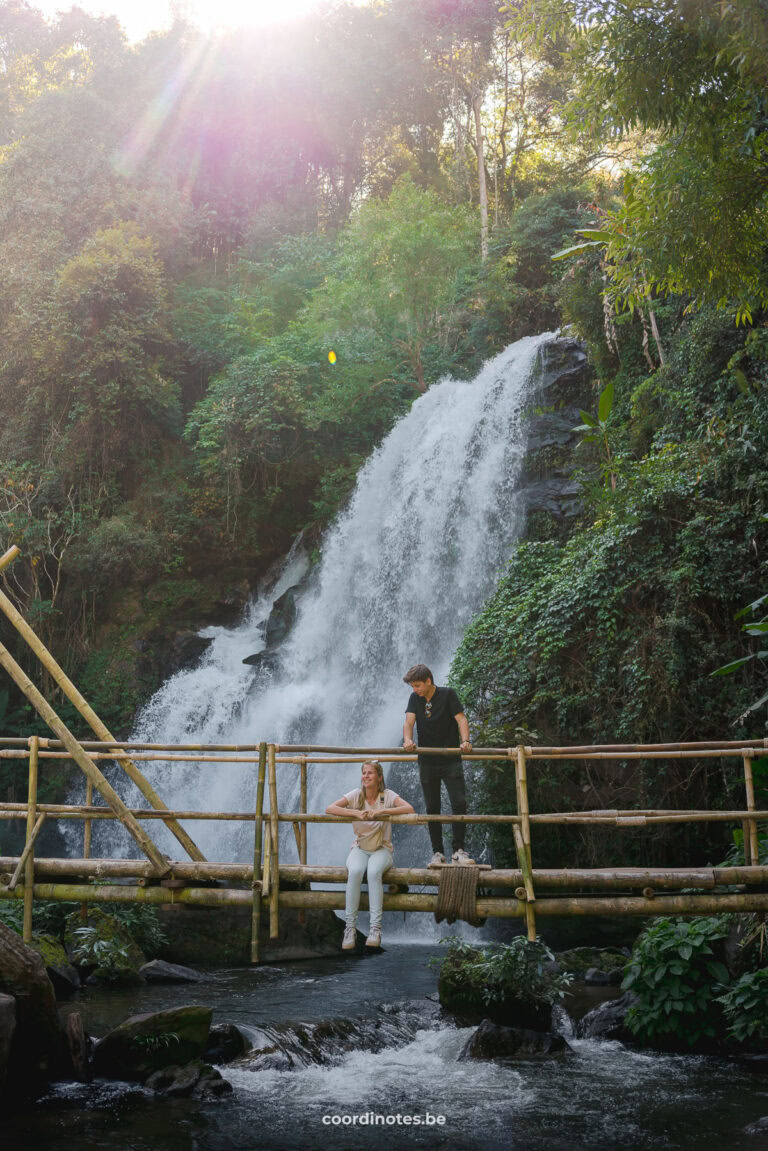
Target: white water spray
x,y
427,534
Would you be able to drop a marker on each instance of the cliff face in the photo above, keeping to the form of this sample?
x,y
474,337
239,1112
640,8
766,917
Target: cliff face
x,y
562,387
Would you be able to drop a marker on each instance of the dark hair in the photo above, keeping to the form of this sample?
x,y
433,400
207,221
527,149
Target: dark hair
x,y
419,671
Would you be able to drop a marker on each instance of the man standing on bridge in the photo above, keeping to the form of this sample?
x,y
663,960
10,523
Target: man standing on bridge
x,y
440,721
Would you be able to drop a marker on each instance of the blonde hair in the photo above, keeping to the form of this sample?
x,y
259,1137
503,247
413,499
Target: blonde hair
x,y
380,774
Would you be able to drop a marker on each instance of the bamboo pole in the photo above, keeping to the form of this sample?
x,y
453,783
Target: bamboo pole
x,y
602,878
92,772
303,809
610,819
29,873
522,858
749,786
93,721
255,874
274,923
302,825
501,907
25,858
266,868
9,556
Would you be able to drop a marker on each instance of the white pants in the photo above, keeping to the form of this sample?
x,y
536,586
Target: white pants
x,y
376,862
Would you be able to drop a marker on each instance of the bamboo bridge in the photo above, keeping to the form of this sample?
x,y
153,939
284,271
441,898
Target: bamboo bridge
x,y
278,882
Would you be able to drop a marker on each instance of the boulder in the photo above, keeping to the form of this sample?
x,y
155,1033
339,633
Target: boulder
x,y
225,1043
37,1045
281,618
62,974
197,1079
597,978
759,1127
7,1029
492,1041
147,1043
158,971
579,961
607,1021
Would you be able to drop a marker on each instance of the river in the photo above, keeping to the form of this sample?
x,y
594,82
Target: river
x,y
391,1062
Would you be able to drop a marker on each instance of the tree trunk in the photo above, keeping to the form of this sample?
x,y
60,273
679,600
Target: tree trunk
x,y
477,102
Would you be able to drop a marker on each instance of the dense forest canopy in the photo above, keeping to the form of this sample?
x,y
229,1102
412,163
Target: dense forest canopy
x,y
189,225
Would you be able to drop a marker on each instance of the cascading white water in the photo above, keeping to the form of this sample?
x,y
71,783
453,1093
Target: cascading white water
x,y
420,547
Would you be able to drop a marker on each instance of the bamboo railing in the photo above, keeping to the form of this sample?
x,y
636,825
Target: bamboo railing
x,y
504,892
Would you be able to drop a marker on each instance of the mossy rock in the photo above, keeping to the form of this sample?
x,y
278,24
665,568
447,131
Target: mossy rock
x,y
147,1043
62,974
579,960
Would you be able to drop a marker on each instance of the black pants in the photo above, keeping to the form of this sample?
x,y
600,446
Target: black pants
x,y
451,773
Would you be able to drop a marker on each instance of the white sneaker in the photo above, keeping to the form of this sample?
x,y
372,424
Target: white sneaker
x,y
461,856
374,937
349,942
436,859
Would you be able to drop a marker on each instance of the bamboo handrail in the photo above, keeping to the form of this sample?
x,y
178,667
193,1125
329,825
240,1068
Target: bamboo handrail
x,y
585,905
602,878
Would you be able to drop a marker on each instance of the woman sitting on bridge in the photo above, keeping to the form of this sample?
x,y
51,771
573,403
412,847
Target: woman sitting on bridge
x,y
371,849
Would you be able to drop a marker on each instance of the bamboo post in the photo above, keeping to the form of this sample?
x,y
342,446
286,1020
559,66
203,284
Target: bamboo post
x,y
92,719
266,867
274,926
521,780
303,825
9,557
87,765
29,873
257,831
751,825
303,810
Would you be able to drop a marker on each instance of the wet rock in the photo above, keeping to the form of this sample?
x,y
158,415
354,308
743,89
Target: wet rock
x,y
281,618
607,1021
185,649
596,978
492,1041
759,1127
225,1043
158,971
264,660
579,961
147,1043
197,1079
7,1029
62,974
77,1043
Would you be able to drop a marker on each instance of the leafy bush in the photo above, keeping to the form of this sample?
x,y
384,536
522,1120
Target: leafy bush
x,y
105,954
477,978
674,974
745,1006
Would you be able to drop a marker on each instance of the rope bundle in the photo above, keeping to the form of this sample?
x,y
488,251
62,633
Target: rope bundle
x,y
457,895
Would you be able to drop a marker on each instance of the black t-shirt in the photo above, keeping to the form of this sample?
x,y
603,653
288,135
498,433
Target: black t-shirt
x,y
435,722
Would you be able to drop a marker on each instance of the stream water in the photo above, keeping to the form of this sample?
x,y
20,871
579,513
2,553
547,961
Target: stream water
x,y
393,1060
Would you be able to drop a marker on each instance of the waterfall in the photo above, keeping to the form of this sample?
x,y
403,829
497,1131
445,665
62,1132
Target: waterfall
x,y
421,545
